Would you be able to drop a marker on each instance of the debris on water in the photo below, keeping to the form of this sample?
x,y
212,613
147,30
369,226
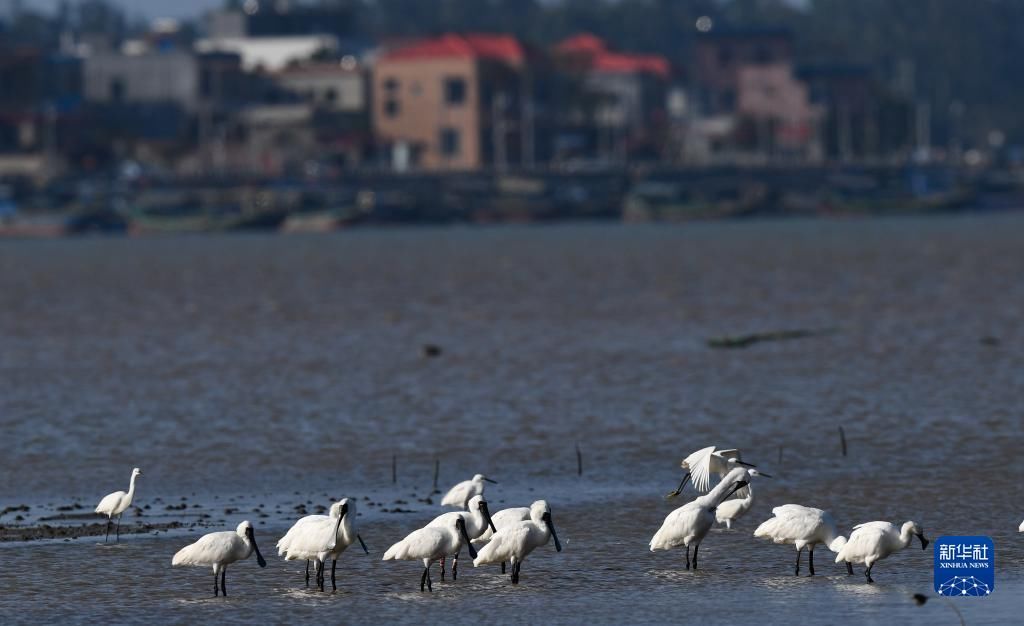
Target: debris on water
x,y
431,350
230,510
176,507
400,502
745,341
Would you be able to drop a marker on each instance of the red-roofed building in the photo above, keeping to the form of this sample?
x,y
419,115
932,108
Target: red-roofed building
x,y
627,92
449,102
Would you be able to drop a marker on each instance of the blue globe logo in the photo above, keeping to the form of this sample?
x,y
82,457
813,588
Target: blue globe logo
x,y
964,586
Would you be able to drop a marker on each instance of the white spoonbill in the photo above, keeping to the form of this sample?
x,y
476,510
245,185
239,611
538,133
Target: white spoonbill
x,y
874,541
515,542
701,464
731,510
477,518
116,504
430,544
804,527
316,537
690,523
459,495
220,550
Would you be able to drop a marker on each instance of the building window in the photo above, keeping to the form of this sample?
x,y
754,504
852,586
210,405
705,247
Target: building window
x,y
449,142
117,90
331,95
391,107
454,91
391,85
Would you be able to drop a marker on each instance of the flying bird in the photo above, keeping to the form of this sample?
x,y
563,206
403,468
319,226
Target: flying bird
x,y
701,464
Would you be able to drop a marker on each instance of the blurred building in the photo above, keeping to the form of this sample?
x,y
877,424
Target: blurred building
x,y
450,102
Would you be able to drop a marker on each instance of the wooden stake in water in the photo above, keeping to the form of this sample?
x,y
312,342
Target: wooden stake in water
x,y
579,461
781,448
842,439
394,468
437,470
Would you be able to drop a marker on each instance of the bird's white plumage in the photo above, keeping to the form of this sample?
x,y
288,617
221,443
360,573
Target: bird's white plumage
x,y
690,523
218,549
118,502
426,544
476,522
731,510
459,495
1020,528
801,526
316,537
518,539
873,541
503,518
706,461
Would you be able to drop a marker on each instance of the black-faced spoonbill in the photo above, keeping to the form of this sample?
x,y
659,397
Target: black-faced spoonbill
x,y
316,537
516,541
459,495
701,464
220,550
478,520
690,523
874,541
804,527
430,544
731,510
116,504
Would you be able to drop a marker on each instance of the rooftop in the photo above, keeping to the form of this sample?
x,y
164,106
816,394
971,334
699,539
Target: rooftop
x,y
505,48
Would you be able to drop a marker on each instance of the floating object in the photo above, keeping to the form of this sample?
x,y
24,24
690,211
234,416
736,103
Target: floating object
x,y
745,341
803,527
873,541
515,542
460,494
116,504
221,549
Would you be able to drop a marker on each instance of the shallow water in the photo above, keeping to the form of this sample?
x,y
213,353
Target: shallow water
x,y
281,370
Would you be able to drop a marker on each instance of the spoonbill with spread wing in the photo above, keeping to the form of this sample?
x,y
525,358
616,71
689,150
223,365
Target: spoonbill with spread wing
x,y
701,464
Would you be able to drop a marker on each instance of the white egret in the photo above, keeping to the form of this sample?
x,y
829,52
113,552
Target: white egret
x,y
874,541
690,523
515,542
731,510
430,544
701,464
116,504
804,527
220,550
478,520
459,495
316,537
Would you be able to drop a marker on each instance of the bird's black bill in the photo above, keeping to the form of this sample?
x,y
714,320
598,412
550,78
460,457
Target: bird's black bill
x,y
744,464
465,537
924,542
256,548
763,475
491,481
362,543
487,516
740,484
679,489
554,535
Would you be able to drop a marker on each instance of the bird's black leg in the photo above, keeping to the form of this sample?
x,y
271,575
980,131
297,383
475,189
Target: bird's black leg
x,y
107,537
503,567
216,589
307,572
696,549
321,579
423,578
223,581
687,557
442,568
810,560
867,573
849,568
334,565
117,537
455,566
430,583
798,551
515,572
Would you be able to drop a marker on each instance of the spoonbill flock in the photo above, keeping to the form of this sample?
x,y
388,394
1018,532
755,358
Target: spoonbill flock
x,y
510,535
